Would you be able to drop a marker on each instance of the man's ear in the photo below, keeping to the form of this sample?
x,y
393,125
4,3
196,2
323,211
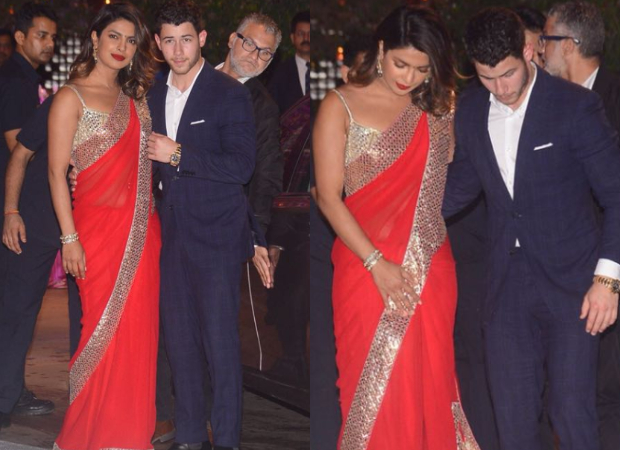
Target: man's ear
x,y
202,37
528,52
231,39
158,41
20,37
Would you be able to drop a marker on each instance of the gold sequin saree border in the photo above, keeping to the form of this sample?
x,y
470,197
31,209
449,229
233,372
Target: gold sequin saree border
x,y
94,350
427,235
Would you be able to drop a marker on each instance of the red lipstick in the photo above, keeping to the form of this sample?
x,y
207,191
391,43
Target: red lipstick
x,y
402,87
118,57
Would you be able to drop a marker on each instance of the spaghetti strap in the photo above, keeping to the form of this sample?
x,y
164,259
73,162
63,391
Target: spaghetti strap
x,y
74,89
344,102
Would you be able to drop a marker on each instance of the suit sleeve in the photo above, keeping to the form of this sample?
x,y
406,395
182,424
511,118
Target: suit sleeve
x,y
595,145
267,179
463,184
234,162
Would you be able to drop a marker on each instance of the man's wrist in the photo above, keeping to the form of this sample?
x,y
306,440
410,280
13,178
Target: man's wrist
x,y
610,283
175,157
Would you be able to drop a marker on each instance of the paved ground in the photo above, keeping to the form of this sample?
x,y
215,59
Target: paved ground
x,y
266,425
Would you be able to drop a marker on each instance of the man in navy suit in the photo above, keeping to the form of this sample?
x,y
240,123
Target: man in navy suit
x,y
581,63
289,81
204,143
538,147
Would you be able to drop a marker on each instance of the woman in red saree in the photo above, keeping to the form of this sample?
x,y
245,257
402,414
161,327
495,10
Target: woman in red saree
x,y
111,238
385,138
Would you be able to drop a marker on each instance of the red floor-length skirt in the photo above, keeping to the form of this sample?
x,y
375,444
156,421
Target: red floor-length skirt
x,y
112,375
419,408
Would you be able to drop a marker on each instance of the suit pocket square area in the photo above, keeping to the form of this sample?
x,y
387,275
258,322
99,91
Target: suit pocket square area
x,y
197,122
540,147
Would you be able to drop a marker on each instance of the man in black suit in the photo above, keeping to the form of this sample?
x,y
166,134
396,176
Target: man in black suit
x,y
578,59
204,142
252,48
289,81
539,147
6,45
25,271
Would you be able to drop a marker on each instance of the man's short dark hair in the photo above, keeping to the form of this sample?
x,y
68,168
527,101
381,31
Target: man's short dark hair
x,y
300,17
28,12
493,35
583,21
176,12
5,32
532,19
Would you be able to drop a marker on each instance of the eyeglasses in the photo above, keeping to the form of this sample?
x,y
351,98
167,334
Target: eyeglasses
x,y
250,47
547,37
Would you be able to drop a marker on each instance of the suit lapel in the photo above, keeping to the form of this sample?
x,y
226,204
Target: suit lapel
x,y
195,98
158,107
487,147
533,127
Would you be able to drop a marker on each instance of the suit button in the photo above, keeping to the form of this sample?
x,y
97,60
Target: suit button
x,y
175,178
170,207
516,215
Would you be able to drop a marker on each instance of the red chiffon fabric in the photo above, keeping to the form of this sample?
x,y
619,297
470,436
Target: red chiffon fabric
x,y
116,407
416,411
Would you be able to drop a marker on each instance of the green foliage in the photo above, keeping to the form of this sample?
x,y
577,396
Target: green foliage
x,y
354,17
221,18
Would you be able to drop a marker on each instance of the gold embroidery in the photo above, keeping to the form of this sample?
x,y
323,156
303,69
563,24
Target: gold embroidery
x,y
88,153
56,447
427,235
464,436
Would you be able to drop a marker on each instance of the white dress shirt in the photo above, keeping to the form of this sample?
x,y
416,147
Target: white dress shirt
x,y
302,68
175,103
590,81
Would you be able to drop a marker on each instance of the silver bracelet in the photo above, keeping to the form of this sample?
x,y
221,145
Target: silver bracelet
x,y
69,238
372,259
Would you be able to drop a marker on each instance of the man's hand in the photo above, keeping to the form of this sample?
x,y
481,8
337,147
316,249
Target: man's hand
x,y
160,147
261,262
600,306
13,232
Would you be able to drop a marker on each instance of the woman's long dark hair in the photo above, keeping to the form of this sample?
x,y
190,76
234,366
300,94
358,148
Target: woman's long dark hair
x,y
423,29
134,82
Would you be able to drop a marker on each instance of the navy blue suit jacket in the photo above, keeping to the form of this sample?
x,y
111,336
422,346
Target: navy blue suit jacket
x,y
553,213
203,201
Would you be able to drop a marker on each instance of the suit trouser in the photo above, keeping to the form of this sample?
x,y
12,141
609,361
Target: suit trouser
x,y
325,415
608,389
470,355
525,334
200,312
23,281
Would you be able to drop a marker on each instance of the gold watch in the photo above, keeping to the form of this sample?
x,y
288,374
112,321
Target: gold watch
x,y
611,283
175,158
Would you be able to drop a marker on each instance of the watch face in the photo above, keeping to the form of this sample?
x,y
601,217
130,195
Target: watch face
x,y
174,158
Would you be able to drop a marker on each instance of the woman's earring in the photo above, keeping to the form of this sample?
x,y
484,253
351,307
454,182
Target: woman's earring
x,y
427,80
130,65
379,68
95,54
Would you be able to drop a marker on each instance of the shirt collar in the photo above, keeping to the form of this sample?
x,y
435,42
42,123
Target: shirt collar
x,y
523,107
241,80
175,91
591,79
26,67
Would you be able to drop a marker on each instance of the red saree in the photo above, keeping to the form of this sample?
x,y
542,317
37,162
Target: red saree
x,y
112,375
397,377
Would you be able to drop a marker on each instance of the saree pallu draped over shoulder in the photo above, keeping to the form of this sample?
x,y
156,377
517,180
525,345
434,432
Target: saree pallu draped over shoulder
x,y
112,374
397,377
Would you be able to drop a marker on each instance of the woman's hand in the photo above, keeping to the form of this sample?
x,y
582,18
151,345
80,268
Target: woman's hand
x,y
396,287
74,259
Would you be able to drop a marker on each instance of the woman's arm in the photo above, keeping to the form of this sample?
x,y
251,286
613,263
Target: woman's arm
x,y
62,126
329,138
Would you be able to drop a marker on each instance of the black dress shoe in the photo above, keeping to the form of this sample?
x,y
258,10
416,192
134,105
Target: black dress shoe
x,y
197,446
29,405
